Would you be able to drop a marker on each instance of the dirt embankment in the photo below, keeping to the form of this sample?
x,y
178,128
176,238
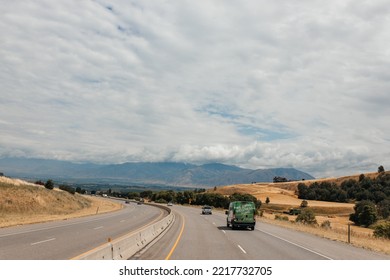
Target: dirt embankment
x,y
24,203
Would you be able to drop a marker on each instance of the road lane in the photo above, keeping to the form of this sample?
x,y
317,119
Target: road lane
x,y
207,238
69,238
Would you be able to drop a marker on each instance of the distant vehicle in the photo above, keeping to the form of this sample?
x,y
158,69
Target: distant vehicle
x,y
127,202
293,211
207,210
170,204
241,214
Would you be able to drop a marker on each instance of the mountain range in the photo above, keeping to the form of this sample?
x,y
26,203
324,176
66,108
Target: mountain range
x,y
144,173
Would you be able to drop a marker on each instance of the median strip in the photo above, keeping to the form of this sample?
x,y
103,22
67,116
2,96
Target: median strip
x,y
126,246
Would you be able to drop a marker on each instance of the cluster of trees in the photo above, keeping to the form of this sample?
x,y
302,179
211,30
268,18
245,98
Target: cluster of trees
x,y
324,191
372,196
278,179
375,190
194,197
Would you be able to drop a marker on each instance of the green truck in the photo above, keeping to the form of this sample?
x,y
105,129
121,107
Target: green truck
x,y
241,214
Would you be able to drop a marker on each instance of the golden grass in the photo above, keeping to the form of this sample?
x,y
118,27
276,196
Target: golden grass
x,y
26,203
360,237
283,197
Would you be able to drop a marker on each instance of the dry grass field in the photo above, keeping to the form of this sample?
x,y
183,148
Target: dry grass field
x,y
25,203
283,196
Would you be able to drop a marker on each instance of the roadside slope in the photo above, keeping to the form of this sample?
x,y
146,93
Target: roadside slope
x,y
25,203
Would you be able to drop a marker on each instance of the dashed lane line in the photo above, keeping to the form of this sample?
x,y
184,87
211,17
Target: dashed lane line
x,y
43,241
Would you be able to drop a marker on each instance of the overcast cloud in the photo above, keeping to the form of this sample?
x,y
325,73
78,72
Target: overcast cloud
x,y
258,84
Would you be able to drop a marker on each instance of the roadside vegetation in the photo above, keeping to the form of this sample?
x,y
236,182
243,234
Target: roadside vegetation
x,y
370,195
24,203
194,197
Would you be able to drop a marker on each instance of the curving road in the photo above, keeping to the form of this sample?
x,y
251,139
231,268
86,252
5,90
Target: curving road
x,y
197,237
67,239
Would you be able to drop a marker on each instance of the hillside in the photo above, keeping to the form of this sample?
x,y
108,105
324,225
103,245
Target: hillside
x,y
22,203
145,173
285,193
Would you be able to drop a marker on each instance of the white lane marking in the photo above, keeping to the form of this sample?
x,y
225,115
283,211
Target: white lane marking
x,y
302,247
98,227
224,231
43,241
122,221
106,216
241,249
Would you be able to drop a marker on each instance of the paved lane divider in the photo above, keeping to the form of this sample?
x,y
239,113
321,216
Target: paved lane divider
x,y
126,246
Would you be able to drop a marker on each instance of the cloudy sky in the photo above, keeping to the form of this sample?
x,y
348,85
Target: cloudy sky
x,y
258,84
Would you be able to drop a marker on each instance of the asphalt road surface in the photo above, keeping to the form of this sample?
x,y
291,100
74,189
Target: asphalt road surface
x,y
205,237
67,239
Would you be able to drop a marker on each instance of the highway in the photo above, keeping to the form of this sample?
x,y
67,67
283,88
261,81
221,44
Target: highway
x,y
206,237
67,239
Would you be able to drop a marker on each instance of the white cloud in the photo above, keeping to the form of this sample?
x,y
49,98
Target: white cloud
x,y
252,83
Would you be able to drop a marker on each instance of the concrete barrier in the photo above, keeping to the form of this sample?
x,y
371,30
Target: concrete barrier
x,y
126,246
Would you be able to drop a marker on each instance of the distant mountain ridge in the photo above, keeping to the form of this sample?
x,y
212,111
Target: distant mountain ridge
x,y
159,173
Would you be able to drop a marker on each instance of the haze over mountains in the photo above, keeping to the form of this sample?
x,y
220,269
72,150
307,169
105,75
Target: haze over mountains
x,y
161,173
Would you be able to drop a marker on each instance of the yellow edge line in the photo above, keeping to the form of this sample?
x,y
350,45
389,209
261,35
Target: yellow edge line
x,y
177,240
129,233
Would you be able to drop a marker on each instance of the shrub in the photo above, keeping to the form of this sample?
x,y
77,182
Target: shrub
x,y
382,230
326,224
307,217
49,184
304,204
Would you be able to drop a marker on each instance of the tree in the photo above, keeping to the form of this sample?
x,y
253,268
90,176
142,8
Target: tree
x,y
365,213
307,217
278,179
382,230
384,208
146,194
49,184
267,200
133,195
302,190
304,203
381,169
